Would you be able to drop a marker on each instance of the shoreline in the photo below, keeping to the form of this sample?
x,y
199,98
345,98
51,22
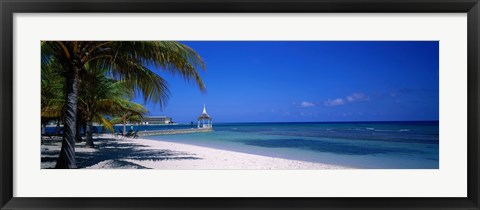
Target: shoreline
x,y
117,153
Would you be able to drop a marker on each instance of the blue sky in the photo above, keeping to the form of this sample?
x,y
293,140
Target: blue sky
x,y
309,81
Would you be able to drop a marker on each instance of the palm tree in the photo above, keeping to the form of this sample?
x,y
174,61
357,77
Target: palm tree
x,y
100,96
130,112
128,61
52,91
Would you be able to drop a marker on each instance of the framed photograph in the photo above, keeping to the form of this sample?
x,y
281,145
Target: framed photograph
x,y
239,105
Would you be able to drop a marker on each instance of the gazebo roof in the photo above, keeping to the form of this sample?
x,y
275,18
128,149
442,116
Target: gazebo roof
x,y
204,115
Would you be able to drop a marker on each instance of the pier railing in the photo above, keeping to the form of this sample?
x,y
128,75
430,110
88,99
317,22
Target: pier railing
x,y
173,131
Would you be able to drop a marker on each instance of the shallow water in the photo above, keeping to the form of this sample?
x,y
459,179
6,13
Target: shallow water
x,y
383,145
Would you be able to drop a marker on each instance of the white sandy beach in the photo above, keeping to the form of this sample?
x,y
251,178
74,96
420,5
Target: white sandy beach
x,y
111,153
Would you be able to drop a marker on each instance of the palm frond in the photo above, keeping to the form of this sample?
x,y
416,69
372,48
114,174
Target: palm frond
x,y
129,61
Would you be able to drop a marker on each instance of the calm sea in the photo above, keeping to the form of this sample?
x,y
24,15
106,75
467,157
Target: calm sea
x,y
383,145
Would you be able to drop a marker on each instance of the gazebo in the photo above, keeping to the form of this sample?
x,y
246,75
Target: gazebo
x,y
204,120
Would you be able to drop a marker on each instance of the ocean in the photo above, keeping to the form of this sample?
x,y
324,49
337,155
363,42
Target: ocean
x,y
376,145
370,145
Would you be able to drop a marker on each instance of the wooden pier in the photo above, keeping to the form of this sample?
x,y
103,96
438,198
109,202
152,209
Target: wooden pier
x,y
174,131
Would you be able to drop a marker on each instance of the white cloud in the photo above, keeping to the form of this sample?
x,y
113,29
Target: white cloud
x,y
334,102
348,99
356,97
307,104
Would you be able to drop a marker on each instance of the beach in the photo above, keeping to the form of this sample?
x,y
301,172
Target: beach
x,y
127,153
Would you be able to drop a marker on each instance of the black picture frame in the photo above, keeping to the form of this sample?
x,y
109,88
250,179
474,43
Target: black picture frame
x,y
9,7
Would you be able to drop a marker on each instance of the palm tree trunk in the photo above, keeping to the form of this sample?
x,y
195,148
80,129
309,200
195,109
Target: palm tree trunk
x,y
43,128
78,135
124,128
67,152
57,129
89,142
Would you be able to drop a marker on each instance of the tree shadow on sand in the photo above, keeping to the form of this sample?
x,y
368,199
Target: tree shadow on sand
x,y
116,152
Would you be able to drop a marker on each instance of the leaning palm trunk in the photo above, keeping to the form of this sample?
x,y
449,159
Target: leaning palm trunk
x,y
89,141
78,127
124,127
67,152
57,127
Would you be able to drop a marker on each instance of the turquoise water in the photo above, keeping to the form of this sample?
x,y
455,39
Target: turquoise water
x,y
382,145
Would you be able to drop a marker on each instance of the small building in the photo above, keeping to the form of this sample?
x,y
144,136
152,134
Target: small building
x,y
204,120
149,120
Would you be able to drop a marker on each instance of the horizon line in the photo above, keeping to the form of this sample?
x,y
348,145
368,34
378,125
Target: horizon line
x,y
325,121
